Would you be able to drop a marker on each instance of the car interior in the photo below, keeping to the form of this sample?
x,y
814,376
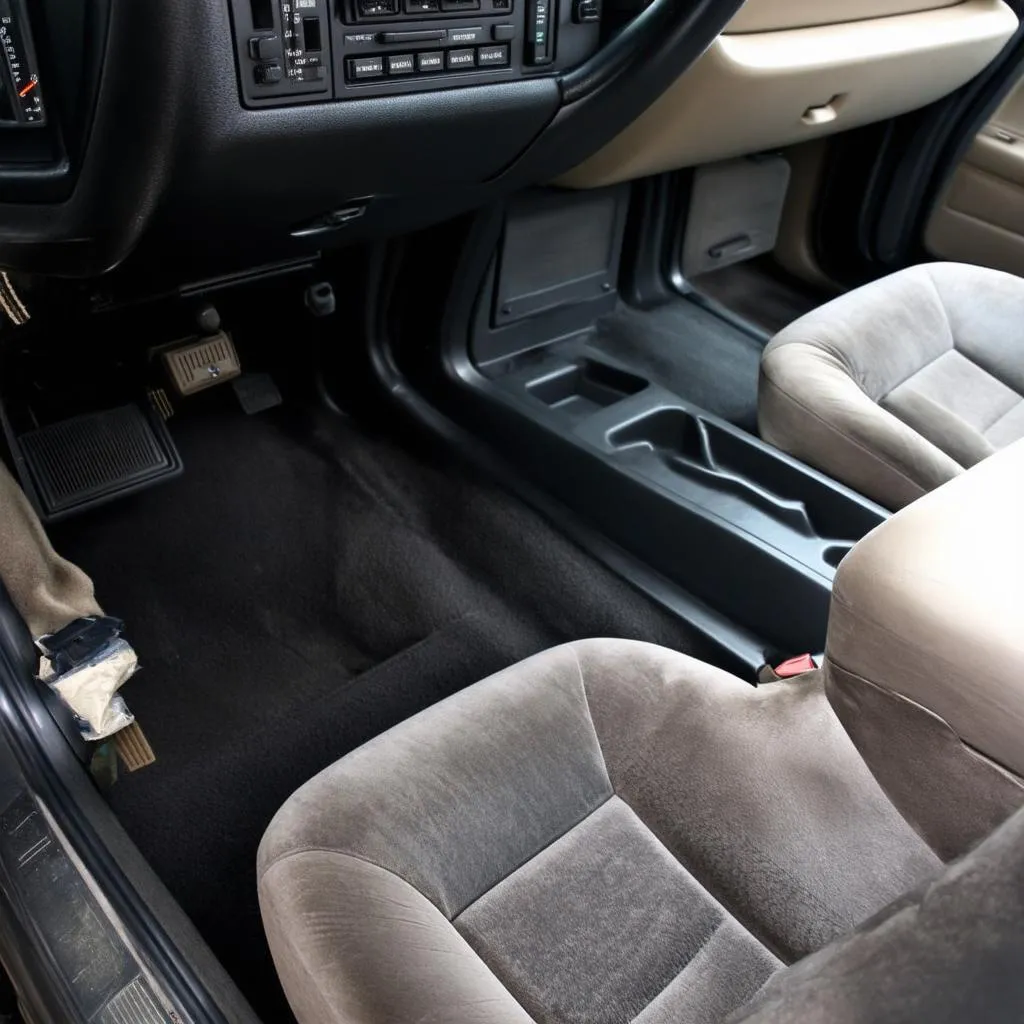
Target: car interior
x,y
509,511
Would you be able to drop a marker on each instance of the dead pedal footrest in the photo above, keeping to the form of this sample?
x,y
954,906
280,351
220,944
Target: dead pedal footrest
x,y
85,461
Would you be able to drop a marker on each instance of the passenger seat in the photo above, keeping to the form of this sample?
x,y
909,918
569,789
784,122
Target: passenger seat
x,y
897,387
612,832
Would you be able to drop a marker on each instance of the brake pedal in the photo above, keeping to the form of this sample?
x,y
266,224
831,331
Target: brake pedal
x,y
200,363
76,464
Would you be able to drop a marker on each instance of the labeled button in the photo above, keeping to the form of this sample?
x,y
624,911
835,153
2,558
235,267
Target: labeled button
x,y
465,36
360,68
360,38
492,56
264,47
503,33
401,64
433,61
461,59
268,74
460,5
422,6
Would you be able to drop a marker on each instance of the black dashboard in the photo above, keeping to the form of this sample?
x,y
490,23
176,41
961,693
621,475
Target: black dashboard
x,y
205,135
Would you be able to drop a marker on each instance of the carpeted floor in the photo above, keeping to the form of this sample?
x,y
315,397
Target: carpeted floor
x,y
302,587
690,351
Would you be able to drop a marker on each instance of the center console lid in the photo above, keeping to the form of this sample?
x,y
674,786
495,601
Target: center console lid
x,y
925,656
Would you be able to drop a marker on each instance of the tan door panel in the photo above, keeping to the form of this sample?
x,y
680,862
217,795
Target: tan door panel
x,y
980,218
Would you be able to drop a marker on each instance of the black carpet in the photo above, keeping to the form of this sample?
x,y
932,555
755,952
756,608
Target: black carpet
x,y
691,352
301,588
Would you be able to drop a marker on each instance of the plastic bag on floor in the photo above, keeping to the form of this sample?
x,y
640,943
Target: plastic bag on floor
x,y
90,687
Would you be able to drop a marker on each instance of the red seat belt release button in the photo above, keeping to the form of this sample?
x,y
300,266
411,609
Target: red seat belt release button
x,y
795,666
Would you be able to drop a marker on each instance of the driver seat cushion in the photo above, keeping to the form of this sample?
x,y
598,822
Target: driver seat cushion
x,y
898,386
606,832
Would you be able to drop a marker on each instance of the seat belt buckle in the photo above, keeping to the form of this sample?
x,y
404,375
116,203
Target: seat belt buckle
x,y
78,641
788,669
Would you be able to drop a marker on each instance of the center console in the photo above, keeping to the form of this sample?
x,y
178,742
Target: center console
x,y
304,51
754,534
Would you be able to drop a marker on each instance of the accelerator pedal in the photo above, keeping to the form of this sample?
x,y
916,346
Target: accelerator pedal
x,y
76,464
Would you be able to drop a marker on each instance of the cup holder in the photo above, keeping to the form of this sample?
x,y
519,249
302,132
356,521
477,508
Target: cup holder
x,y
742,480
585,387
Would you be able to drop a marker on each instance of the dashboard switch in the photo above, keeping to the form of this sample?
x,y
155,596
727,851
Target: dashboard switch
x,y
268,74
492,56
422,6
467,36
427,62
460,5
264,47
459,60
361,68
401,64
503,33
586,11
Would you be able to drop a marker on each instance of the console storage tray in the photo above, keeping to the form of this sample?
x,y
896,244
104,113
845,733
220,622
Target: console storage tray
x,y
739,524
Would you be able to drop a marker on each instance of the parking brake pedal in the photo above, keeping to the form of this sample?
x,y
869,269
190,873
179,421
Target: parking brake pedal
x,y
76,464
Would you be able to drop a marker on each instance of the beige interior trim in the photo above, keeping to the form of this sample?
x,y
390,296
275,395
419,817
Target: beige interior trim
x,y
772,15
794,251
980,218
759,91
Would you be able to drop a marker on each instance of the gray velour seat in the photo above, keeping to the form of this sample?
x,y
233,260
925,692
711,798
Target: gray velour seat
x,y
613,832
898,386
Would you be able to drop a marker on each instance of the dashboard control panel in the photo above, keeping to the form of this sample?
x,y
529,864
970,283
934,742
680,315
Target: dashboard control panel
x,y
301,51
283,49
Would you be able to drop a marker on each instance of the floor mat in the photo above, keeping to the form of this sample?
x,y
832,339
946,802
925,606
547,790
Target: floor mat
x,y
690,351
302,587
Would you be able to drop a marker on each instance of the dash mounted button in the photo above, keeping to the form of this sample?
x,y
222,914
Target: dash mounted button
x,y
401,64
492,56
361,68
459,60
467,36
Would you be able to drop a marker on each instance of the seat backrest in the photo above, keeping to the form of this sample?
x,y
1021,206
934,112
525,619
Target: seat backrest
x,y
925,654
897,386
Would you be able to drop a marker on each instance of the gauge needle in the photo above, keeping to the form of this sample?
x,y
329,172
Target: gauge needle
x,y
28,88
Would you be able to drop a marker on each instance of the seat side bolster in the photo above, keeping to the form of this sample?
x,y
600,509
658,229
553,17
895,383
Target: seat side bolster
x,y
343,932
453,819
816,412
